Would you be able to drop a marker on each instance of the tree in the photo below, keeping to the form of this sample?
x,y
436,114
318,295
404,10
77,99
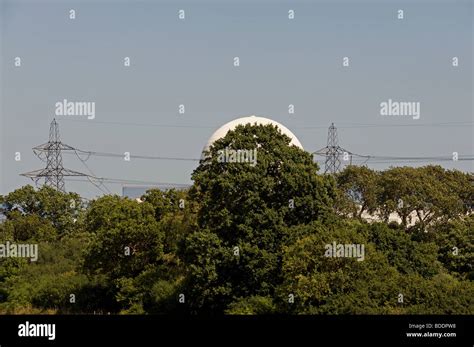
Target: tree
x,y
176,214
459,183
60,209
359,189
408,191
126,237
47,284
315,283
27,227
244,210
455,240
405,254
442,294
168,201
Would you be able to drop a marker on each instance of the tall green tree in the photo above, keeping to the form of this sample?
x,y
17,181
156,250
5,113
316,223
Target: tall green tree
x,y
244,211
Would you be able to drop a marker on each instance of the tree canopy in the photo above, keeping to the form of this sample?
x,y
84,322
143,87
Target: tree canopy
x,y
273,236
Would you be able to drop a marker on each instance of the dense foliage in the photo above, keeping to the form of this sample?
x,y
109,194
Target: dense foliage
x,y
249,239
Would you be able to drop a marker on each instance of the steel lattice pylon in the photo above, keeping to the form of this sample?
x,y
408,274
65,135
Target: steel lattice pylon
x,y
332,152
333,163
51,153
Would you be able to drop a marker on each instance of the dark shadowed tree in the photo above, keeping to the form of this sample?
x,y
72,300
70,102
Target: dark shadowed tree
x,y
244,211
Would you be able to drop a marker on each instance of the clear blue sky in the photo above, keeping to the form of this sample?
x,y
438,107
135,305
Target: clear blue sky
x,y
190,62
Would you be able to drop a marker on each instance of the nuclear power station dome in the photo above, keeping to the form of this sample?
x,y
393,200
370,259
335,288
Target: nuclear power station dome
x,y
222,131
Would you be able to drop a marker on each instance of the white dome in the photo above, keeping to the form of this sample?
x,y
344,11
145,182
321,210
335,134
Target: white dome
x,y
222,131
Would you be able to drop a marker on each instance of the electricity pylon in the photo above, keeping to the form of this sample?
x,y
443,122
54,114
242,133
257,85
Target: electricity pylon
x,y
333,152
51,153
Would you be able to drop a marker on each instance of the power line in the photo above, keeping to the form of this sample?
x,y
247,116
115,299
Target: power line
x,y
362,160
126,181
351,156
98,186
414,124
341,125
138,124
394,158
121,155
405,161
